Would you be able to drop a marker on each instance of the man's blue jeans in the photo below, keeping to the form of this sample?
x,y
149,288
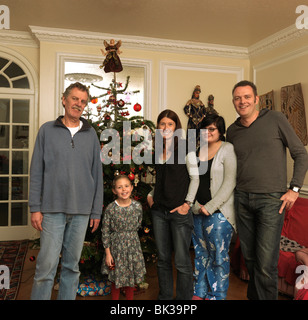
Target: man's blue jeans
x,y
173,231
62,234
259,227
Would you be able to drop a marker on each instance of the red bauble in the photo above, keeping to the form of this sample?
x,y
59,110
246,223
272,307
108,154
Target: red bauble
x,y
137,107
121,103
131,176
94,100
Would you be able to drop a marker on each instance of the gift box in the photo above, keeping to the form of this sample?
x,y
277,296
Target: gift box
x,y
92,287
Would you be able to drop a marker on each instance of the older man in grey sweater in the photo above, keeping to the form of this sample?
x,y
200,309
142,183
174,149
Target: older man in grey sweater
x,y
66,191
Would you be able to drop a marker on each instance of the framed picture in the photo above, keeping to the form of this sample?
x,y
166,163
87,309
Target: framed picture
x,y
292,105
267,101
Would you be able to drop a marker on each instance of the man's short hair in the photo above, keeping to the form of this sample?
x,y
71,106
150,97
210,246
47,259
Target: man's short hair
x,y
77,85
245,83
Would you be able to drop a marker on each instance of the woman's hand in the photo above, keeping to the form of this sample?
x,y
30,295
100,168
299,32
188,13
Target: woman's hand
x,y
150,201
204,211
183,209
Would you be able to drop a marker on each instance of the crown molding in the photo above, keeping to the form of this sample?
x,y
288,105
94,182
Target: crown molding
x,y
17,38
136,42
38,34
276,40
174,46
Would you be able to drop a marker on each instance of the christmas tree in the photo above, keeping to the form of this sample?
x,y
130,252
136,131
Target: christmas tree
x,y
112,113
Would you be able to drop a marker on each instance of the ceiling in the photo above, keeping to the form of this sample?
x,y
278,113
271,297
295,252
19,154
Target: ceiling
x,y
227,22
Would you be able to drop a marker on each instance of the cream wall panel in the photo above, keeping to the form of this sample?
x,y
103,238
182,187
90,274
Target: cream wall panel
x,y
275,72
178,82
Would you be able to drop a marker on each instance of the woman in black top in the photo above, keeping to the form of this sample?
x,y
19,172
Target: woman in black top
x,y
175,190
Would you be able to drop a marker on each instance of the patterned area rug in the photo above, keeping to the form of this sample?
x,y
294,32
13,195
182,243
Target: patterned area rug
x,y
12,255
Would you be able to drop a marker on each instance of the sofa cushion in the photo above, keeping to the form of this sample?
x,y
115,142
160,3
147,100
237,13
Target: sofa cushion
x,y
296,222
286,267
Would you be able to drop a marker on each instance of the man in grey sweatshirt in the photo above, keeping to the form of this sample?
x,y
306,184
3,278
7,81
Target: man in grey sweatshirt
x,y
66,191
260,139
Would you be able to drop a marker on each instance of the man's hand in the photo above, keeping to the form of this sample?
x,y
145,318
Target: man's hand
x,y
36,220
94,223
288,199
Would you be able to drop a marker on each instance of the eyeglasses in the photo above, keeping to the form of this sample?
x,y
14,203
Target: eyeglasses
x,y
211,129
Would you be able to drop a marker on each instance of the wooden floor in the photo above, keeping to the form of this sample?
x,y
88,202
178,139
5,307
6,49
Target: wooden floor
x,y
237,287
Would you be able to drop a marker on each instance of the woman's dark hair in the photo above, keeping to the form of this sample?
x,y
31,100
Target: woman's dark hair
x,y
218,121
173,116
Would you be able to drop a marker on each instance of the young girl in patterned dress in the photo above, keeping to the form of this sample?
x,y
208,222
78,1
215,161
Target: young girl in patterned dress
x,y
124,261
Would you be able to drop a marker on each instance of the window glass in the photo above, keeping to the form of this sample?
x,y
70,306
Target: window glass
x,y
19,215
20,162
13,70
4,214
4,110
4,83
4,162
20,111
4,136
92,75
21,83
20,137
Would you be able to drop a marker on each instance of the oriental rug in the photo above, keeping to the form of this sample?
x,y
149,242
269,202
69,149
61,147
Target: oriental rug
x,y
12,255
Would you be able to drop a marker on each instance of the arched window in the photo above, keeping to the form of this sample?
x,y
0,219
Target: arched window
x,y
16,112
12,75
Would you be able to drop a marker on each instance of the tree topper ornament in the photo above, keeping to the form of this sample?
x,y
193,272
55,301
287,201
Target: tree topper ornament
x,y
112,62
